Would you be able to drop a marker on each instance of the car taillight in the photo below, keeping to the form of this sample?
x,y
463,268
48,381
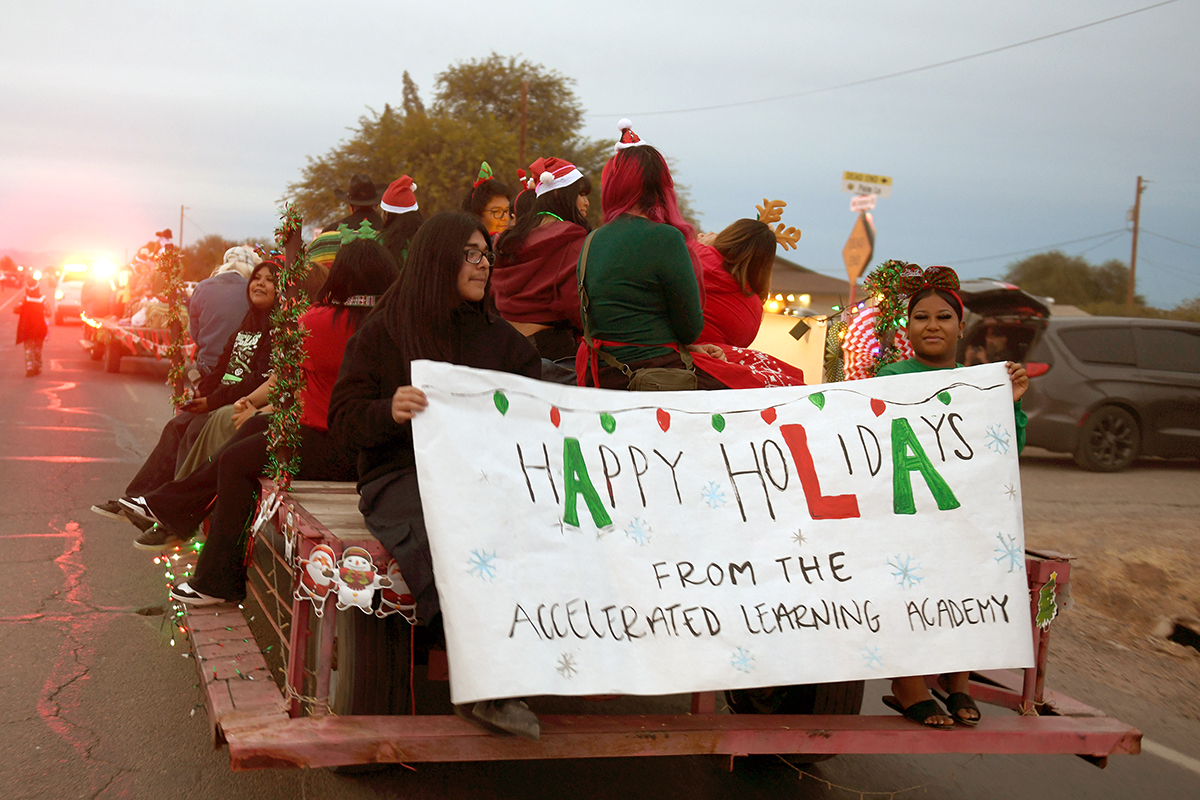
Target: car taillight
x,y
1036,368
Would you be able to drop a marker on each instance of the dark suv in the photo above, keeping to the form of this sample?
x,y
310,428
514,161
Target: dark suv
x,y
1110,389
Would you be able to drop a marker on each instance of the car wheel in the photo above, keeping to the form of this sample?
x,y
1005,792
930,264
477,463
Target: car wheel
x,y
1108,441
112,356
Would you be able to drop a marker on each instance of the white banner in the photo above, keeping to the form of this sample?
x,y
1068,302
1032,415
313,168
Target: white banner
x,y
599,542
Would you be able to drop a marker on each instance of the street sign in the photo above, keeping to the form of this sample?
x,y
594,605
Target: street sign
x,y
862,202
862,183
859,247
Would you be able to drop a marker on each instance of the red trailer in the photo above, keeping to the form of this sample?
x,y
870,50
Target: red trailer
x,y
287,688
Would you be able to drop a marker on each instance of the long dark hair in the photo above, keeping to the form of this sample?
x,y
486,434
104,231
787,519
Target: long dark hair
x,y
560,202
420,308
260,319
398,231
361,267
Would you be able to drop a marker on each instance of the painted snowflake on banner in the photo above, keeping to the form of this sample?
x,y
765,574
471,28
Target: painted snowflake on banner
x,y
1007,551
567,666
639,531
873,656
483,564
799,538
1010,491
997,439
713,494
742,661
906,571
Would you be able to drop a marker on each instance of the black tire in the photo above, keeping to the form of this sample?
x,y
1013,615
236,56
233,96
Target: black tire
x,y
112,356
1108,441
814,698
97,351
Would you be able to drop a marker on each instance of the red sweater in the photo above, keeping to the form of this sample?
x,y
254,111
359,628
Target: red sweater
x,y
323,349
539,284
730,316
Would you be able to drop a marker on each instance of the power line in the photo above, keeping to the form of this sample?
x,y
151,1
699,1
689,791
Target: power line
x,y
1101,244
1191,278
1169,239
1113,234
891,75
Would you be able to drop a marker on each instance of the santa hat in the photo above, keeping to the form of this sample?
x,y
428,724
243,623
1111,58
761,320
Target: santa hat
x,y
525,179
399,196
628,137
554,173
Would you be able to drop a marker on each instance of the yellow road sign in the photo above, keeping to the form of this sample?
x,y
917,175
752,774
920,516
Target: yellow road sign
x,y
863,183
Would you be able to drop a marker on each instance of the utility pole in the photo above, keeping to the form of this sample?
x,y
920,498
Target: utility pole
x,y
1137,210
524,113
180,227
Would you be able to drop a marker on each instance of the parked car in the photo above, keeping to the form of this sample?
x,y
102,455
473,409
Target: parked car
x,y
1110,389
1002,321
68,293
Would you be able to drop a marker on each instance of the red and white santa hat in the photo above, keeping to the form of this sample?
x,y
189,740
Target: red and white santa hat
x,y
554,173
628,137
399,196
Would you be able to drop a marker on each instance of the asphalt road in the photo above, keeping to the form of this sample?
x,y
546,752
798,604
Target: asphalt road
x,y
96,703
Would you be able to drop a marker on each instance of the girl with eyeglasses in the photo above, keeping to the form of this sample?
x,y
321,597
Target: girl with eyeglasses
x,y
490,201
440,309
535,284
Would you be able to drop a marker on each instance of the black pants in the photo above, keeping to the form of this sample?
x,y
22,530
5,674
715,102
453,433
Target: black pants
x,y
391,508
228,488
174,443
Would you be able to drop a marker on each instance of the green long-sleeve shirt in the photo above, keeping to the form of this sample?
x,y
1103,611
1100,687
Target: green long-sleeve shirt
x,y
642,288
912,365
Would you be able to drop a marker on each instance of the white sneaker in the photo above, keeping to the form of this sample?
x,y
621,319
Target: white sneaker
x,y
186,594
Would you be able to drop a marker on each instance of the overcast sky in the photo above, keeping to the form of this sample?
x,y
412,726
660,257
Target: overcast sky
x,y
115,114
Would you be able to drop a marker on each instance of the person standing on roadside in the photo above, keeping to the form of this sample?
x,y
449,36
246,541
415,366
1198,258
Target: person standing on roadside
x,y
32,325
218,305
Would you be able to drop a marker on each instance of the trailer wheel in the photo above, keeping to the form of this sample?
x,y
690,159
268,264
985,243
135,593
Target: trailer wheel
x,y
815,698
112,356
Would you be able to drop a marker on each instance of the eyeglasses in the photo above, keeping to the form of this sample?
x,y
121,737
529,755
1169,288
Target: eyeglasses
x,y
474,256
497,213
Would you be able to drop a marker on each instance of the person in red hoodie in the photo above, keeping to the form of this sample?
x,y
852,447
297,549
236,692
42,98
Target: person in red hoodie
x,y
736,266
534,279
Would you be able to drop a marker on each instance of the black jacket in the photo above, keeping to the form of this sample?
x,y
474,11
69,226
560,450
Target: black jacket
x,y
360,407
245,362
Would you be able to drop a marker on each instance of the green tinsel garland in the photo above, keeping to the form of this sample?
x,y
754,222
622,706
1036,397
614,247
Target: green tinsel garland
x,y
891,306
287,353
169,265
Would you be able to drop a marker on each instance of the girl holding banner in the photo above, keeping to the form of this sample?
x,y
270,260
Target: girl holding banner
x,y
935,324
441,309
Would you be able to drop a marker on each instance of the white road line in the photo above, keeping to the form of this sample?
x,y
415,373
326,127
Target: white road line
x,y
129,388
1174,756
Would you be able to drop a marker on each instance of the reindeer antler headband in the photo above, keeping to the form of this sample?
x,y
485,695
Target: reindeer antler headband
x,y
771,211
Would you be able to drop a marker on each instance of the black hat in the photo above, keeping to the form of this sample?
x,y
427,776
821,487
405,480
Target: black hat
x,y
363,192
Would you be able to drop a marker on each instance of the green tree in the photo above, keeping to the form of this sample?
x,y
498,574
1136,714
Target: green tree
x,y
7,264
204,255
1072,279
475,116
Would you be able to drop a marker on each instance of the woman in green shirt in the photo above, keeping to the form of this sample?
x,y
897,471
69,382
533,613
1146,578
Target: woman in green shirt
x,y
645,295
935,324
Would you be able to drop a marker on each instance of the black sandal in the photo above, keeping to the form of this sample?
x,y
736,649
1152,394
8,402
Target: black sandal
x,y
957,702
920,713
